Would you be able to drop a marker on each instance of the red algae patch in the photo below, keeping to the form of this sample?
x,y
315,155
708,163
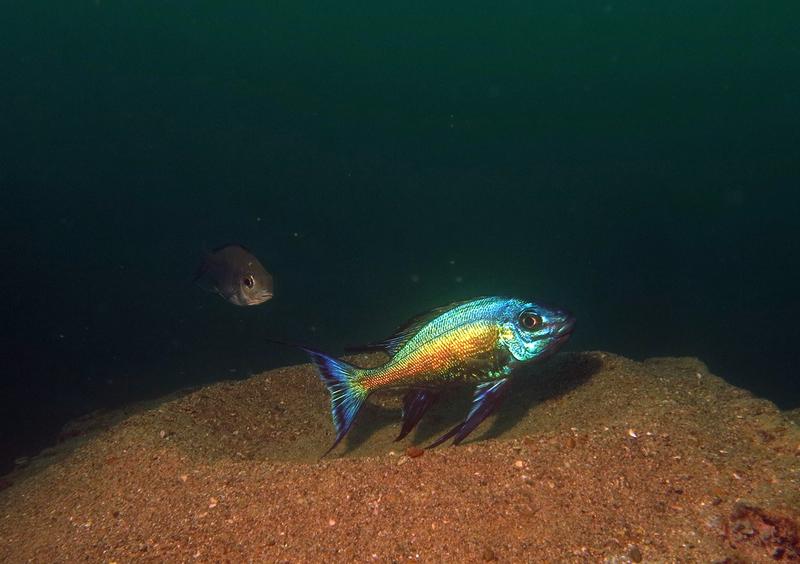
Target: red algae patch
x,y
592,458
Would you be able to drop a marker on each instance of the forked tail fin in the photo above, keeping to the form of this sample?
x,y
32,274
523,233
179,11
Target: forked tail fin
x,y
347,395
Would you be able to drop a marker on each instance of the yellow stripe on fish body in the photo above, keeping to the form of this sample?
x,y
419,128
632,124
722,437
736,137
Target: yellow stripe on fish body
x,y
465,353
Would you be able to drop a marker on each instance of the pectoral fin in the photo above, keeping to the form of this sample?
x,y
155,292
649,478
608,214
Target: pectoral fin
x,y
485,401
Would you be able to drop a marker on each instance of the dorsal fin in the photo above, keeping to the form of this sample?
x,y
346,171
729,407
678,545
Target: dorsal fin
x,y
407,330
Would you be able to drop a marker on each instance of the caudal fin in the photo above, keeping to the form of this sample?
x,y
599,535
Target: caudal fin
x,y
347,396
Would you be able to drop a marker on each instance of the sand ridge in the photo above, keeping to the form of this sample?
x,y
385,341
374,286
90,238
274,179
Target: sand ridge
x,y
594,457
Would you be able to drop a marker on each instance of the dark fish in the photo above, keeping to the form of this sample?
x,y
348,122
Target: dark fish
x,y
235,274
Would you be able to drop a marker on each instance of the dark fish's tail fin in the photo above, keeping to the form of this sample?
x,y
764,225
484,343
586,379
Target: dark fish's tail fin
x,y
347,395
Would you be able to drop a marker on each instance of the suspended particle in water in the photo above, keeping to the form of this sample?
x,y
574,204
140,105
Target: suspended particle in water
x,y
415,278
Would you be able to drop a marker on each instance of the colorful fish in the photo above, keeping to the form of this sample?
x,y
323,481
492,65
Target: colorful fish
x,y
481,341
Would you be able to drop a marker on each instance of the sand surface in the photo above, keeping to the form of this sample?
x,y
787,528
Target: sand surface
x,y
592,458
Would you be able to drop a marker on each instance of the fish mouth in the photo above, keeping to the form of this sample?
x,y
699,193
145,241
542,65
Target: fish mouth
x,y
562,332
567,327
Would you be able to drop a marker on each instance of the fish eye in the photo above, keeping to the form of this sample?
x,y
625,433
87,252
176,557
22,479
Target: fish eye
x,y
249,281
529,320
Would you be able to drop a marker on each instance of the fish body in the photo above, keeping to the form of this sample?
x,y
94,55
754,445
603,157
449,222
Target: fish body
x,y
236,274
481,342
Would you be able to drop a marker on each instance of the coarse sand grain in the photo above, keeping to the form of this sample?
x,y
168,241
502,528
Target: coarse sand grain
x,y
593,457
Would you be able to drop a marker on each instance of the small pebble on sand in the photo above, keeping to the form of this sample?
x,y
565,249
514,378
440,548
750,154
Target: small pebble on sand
x,y
414,451
634,553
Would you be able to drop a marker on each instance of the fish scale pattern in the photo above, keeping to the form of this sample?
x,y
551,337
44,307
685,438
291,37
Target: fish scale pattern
x,y
461,345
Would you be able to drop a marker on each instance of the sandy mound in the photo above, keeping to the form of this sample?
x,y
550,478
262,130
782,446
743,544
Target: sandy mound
x,y
593,457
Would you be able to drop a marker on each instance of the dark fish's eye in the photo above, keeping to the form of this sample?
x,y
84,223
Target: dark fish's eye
x,y
249,281
529,320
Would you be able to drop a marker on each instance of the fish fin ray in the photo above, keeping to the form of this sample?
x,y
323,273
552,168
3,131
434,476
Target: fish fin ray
x,y
485,401
415,403
341,380
347,395
407,330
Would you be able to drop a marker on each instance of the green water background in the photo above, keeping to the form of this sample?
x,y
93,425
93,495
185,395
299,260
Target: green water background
x,y
635,162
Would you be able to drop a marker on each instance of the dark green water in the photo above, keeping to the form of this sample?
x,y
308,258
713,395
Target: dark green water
x,y
637,163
